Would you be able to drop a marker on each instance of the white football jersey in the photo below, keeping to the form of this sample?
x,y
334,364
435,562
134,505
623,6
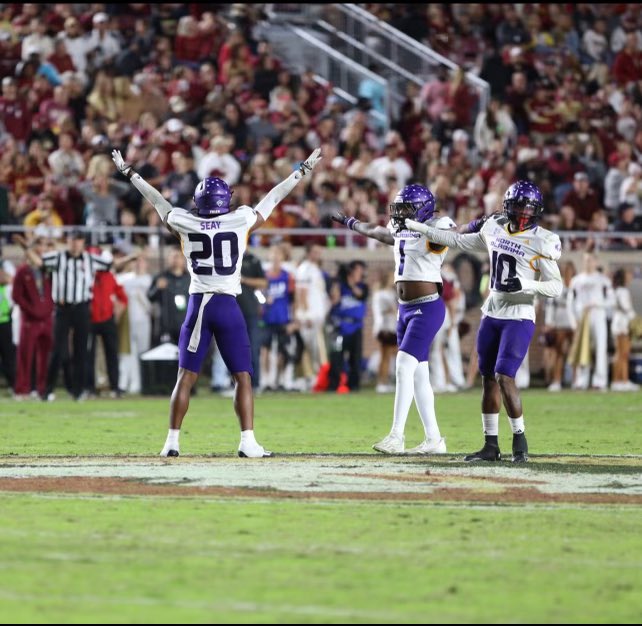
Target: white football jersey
x,y
525,255
416,258
214,247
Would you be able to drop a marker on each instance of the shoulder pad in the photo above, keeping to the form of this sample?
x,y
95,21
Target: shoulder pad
x,y
551,245
445,223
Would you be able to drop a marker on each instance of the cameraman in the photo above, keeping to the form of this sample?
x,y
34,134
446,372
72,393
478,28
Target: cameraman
x,y
348,296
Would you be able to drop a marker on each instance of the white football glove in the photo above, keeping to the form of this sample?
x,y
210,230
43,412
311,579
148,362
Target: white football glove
x,y
411,224
124,168
310,162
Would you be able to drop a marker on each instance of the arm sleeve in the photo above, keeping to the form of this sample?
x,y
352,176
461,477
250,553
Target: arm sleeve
x,y
550,282
19,294
120,292
570,305
153,196
50,260
609,294
153,293
265,207
100,264
377,312
448,238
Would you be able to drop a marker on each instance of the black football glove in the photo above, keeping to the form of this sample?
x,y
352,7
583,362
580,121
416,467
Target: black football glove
x,y
512,284
339,216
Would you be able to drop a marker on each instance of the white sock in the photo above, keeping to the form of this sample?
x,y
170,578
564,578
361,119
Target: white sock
x,y
247,436
425,401
490,423
406,366
171,443
517,425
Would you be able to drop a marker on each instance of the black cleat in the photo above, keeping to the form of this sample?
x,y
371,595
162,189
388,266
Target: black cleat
x,y
488,453
520,449
172,453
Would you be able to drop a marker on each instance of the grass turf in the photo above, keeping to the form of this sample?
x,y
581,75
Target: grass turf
x,y
569,423
202,560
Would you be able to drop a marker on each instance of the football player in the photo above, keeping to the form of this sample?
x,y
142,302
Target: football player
x,y
421,311
523,260
214,238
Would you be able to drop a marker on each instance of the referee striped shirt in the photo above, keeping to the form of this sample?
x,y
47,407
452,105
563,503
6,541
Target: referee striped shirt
x,y
73,277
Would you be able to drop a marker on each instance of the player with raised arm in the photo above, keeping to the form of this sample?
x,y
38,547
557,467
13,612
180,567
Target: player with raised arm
x,y
421,311
214,238
523,260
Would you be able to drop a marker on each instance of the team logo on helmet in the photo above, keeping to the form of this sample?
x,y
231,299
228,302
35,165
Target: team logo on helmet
x,y
212,197
412,202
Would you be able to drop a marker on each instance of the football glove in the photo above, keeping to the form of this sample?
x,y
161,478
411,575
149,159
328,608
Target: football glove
x,y
124,168
512,284
310,162
342,218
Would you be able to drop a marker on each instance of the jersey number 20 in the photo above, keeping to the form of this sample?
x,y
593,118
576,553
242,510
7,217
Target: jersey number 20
x,y
499,262
225,247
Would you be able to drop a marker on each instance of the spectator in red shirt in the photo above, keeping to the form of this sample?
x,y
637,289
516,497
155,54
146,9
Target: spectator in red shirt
x,y
60,58
188,42
32,293
14,112
56,109
109,300
582,199
627,66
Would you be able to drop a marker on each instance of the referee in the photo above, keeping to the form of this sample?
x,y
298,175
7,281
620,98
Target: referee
x,y
72,272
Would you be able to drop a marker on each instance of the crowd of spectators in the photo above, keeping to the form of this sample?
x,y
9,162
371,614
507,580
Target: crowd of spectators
x,y
188,90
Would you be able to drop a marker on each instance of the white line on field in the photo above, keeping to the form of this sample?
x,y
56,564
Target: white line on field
x,y
282,549
246,607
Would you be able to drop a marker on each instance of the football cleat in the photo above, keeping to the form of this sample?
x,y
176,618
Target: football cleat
x,y
252,451
392,444
167,451
520,449
489,452
429,447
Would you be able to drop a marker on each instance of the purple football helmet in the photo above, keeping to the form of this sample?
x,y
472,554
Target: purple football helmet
x,y
212,197
413,201
523,204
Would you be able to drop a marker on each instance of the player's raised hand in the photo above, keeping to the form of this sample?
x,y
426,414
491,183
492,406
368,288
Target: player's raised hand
x,y
346,220
339,216
310,162
124,168
412,225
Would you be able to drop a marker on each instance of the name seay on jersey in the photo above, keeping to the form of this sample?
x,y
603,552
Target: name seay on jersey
x,y
214,248
525,255
416,258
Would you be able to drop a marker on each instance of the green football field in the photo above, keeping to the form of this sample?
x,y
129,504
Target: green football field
x,y
96,528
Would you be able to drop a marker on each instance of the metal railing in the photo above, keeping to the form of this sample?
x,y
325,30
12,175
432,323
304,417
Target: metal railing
x,y
333,236
398,48
301,50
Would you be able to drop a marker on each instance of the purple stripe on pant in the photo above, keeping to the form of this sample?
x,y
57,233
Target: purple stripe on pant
x,y
502,345
221,319
417,325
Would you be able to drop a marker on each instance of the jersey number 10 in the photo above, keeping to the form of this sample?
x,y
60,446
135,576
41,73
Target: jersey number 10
x,y
499,262
224,246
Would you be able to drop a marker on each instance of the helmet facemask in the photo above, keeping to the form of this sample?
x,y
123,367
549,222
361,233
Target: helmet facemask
x,y
401,211
522,213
